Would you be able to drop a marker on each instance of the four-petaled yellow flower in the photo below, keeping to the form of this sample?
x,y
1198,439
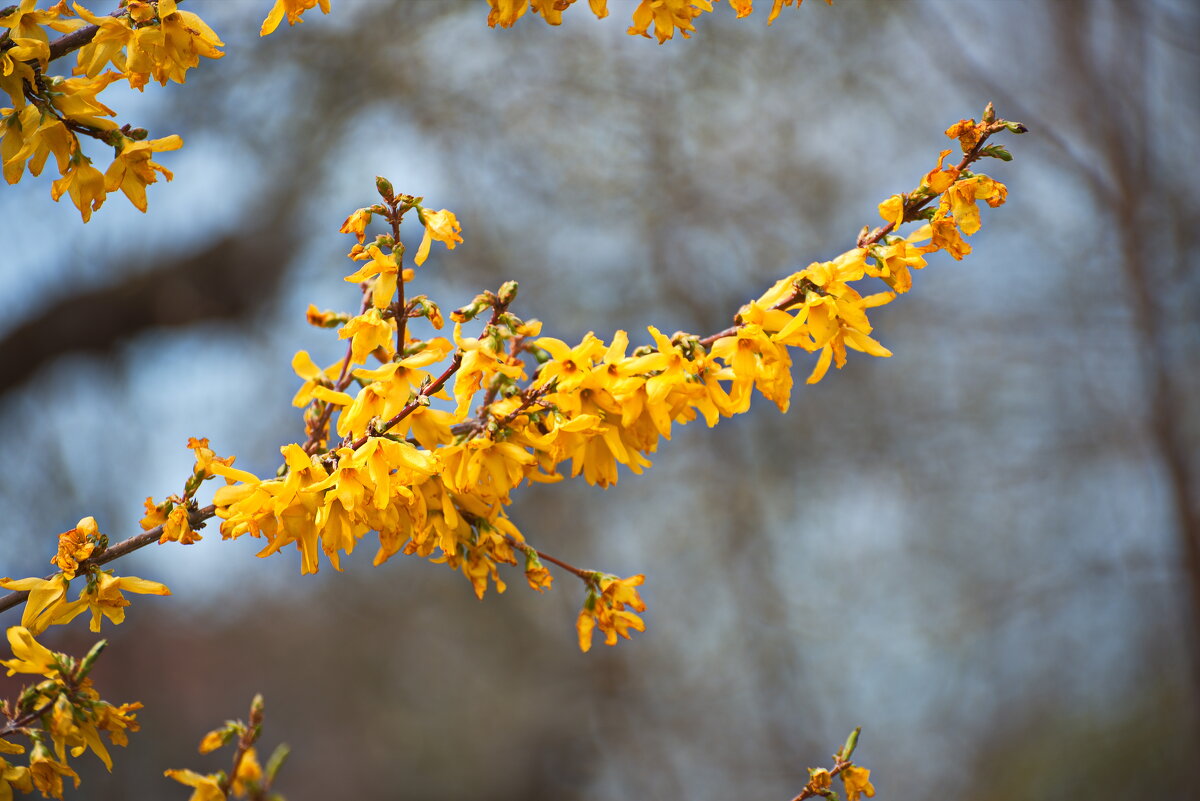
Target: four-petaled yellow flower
x,y
440,225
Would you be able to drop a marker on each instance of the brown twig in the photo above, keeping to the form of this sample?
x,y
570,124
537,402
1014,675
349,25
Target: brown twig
x,y
912,207
249,736
585,575
412,405
114,552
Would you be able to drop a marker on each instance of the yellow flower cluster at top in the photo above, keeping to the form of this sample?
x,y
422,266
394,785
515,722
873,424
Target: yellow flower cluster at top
x,y
48,113
434,479
664,16
146,40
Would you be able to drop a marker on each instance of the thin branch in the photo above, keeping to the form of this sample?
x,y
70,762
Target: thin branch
x,y
114,552
911,209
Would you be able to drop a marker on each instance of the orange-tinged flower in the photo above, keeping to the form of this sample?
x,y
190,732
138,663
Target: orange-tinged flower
x,y
858,783
820,779
48,773
937,179
967,132
357,224
177,528
608,609
505,12
778,5
667,16
76,545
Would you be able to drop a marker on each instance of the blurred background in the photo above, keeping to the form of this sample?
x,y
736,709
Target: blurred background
x,y
984,550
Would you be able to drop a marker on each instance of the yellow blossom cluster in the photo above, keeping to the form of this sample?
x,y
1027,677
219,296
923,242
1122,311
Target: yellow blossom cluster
x,y
427,459
62,714
664,16
249,779
102,595
145,40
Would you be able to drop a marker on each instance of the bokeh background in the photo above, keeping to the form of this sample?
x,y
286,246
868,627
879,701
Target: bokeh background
x,y
984,550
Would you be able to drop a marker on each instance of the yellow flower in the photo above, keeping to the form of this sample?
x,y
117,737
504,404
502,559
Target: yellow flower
x,y
84,183
313,376
27,20
505,12
115,34
117,721
357,224
132,170
778,5
13,776
208,788
440,225
30,655
387,267
606,610
156,514
47,603
294,10
946,236
104,596
667,16
177,528
367,333
820,779
892,210
249,773
857,781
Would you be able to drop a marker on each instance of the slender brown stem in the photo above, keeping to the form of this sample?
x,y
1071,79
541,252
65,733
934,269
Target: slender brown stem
x,y
114,552
16,725
585,575
412,405
911,209
812,792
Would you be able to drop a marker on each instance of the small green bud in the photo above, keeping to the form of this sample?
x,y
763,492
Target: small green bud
x,y
385,188
89,661
508,292
852,740
996,152
989,113
1016,127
